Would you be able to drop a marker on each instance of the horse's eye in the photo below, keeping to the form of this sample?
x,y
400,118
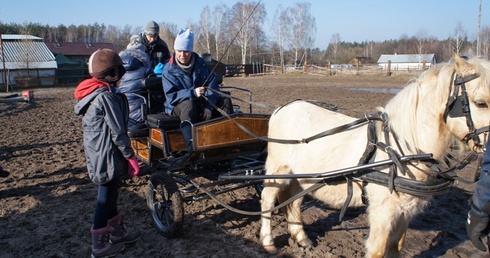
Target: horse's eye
x,y
481,104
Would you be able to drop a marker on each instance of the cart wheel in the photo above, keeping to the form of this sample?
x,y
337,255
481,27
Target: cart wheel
x,y
165,203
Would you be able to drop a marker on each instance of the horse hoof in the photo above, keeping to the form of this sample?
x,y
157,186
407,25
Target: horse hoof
x,y
270,249
305,242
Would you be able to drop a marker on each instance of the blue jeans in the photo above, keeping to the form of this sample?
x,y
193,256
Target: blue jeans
x,y
106,207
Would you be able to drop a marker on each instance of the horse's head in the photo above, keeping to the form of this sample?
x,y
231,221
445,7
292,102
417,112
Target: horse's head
x,y
468,108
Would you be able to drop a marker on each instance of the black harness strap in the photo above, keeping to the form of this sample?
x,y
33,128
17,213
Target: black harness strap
x,y
462,80
452,97
366,157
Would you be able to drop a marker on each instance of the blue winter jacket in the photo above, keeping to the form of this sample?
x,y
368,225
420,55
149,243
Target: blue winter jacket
x,y
137,65
179,86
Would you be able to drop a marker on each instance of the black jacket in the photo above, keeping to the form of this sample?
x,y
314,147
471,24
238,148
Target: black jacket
x,y
158,51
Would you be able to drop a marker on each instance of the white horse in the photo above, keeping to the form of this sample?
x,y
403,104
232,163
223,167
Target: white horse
x,y
418,120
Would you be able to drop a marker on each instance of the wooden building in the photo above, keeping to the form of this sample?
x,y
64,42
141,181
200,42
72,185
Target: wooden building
x,y
25,61
407,62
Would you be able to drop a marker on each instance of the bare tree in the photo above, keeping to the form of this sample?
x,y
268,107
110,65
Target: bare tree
x,y
280,29
124,35
422,41
303,27
247,18
168,32
459,39
111,33
27,53
335,45
71,34
485,41
205,28
220,17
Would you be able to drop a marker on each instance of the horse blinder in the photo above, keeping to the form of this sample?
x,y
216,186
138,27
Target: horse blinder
x,y
459,106
456,108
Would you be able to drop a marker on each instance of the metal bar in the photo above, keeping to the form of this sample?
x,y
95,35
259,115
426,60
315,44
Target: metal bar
x,y
328,174
222,191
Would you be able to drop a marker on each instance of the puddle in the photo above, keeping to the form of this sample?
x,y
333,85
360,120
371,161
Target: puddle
x,y
377,90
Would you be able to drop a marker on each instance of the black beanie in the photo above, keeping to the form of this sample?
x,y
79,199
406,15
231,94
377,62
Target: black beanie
x,y
106,65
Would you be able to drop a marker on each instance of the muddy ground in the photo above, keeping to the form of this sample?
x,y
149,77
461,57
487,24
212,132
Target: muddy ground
x,y
47,201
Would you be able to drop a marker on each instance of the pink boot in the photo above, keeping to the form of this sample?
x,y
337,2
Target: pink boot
x,y
100,243
120,235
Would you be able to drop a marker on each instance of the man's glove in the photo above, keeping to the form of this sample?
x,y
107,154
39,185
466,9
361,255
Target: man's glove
x,y
474,227
133,168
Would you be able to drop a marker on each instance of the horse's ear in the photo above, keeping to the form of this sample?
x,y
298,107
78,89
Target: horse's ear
x,y
463,67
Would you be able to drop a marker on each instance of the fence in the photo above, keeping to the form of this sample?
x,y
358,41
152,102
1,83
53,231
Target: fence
x,y
333,70
23,78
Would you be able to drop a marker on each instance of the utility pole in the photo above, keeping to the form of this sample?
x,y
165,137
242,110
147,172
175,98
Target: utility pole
x,y
4,70
478,36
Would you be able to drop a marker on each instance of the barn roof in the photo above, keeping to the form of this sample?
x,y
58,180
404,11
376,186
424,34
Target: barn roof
x,y
25,51
77,48
416,58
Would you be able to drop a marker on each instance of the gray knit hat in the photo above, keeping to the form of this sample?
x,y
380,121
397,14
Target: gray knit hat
x,y
152,28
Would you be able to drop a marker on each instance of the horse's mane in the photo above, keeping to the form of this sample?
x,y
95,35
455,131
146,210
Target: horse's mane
x,y
421,100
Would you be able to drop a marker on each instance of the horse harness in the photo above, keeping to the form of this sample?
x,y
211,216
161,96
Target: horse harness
x,y
456,106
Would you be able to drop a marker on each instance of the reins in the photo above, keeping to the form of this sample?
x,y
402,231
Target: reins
x,y
325,133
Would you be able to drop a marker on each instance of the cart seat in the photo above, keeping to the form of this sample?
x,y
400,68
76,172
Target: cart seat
x,y
135,133
163,121
152,84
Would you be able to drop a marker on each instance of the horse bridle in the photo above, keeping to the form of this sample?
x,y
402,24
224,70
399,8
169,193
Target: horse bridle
x,y
459,105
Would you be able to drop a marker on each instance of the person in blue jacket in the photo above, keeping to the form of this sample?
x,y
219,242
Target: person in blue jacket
x,y
185,79
478,216
137,64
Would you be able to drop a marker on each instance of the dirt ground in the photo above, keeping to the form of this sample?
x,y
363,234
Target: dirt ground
x,y
47,201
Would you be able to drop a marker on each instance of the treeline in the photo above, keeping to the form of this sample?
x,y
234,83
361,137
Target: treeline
x,y
220,32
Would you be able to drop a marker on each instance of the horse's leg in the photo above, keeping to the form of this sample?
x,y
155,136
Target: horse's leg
x,y
269,194
378,234
385,239
293,216
397,236
381,217
272,191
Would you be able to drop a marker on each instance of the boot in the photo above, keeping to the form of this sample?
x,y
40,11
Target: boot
x,y
100,243
186,128
120,235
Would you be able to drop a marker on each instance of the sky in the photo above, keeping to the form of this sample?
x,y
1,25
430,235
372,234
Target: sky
x,y
353,20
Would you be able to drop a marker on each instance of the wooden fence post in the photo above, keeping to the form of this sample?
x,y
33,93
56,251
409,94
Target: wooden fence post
x,y
388,68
